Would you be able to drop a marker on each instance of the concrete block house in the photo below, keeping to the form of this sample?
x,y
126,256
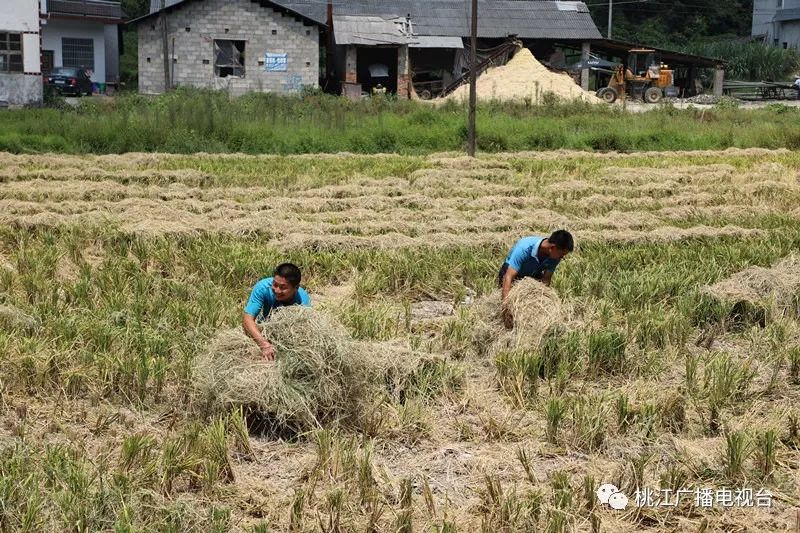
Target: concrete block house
x,y
238,45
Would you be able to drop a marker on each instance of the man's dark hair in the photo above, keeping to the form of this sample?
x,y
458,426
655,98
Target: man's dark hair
x,y
562,239
288,271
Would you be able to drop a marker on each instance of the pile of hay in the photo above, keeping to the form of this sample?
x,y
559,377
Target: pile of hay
x,y
537,311
774,290
320,375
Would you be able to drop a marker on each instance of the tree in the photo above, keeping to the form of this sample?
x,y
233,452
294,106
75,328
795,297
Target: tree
x,y
135,8
662,22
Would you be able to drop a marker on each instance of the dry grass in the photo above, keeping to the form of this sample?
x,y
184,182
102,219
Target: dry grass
x,y
772,290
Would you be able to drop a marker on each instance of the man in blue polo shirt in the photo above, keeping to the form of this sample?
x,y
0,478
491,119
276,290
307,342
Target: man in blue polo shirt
x,y
535,257
282,289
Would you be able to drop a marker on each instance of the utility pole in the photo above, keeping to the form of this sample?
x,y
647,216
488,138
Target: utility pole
x,y
473,76
165,46
610,12
329,46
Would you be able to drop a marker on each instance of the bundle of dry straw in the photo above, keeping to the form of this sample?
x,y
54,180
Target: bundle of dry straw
x,y
536,309
776,288
320,374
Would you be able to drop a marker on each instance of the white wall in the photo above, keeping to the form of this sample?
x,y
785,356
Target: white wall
x,y
55,29
19,15
31,59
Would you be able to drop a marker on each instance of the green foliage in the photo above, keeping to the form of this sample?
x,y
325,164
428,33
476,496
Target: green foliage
x,y
674,22
190,120
750,61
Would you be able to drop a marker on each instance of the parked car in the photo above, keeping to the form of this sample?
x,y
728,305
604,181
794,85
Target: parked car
x,y
70,80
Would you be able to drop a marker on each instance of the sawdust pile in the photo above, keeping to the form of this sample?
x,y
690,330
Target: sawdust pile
x,y
523,79
537,311
320,375
775,289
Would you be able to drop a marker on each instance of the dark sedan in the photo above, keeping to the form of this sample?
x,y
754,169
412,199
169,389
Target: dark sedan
x,y
70,80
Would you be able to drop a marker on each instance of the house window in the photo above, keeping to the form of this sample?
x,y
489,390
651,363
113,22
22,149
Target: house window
x,y
228,58
77,53
10,52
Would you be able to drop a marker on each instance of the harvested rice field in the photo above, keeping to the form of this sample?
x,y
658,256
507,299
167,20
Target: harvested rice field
x,y
664,360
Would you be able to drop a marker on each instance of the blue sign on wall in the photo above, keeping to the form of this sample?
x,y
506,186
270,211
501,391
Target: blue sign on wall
x,y
276,62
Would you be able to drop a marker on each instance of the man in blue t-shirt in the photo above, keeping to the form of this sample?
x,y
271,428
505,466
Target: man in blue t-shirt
x,y
535,257
282,289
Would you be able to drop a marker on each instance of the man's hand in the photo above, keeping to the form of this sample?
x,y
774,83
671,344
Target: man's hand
x,y
250,328
508,279
267,351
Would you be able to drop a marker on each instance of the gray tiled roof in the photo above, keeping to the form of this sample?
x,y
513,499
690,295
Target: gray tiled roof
x,y
527,19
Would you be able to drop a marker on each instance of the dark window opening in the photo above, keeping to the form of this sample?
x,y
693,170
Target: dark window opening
x,y
148,59
274,32
785,44
206,61
188,29
48,61
308,32
77,53
228,58
10,52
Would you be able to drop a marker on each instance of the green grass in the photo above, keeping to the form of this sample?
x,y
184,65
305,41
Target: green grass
x,y
187,121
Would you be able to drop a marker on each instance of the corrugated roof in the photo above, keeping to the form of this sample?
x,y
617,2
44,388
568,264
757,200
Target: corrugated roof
x,y
621,48
437,41
368,30
527,19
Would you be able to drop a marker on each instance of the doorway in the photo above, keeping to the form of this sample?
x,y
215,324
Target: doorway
x,y
377,65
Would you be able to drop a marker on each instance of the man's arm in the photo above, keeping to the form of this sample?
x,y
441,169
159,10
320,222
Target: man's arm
x,y
508,279
251,329
258,300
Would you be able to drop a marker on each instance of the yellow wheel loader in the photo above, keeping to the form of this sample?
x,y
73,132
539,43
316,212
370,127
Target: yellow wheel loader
x,y
643,78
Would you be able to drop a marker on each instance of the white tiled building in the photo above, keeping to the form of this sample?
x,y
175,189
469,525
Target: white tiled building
x,y
37,35
20,68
